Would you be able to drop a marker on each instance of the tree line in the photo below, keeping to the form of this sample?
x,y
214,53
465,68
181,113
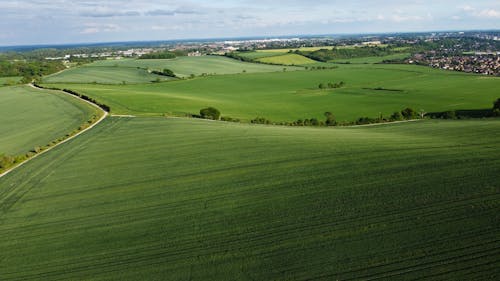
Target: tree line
x,y
29,70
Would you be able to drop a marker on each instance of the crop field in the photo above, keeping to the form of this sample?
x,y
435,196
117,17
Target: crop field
x,y
304,49
287,59
5,81
180,199
257,54
373,59
103,75
370,90
185,66
32,117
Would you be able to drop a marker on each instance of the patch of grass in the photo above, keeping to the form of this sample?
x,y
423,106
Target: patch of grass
x,y
288,59
9,81
34,118
273,95
149,198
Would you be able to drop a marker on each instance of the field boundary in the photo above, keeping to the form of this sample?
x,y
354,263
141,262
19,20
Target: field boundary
x,y
383,123
103,116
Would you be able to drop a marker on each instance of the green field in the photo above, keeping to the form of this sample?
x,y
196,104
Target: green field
x,y
6,81
256,54
288,59
292,95
185,66
103,75
303,49
32,117
178,199
373,59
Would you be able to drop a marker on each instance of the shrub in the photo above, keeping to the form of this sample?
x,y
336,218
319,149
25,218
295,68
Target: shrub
x,y
396,116
450,114
408,113
496,104
260,120
210,113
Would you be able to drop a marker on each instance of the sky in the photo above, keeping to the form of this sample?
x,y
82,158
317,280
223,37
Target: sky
x,y
26,22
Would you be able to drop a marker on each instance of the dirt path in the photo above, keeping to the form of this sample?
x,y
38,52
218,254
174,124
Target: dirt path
x,y
105,114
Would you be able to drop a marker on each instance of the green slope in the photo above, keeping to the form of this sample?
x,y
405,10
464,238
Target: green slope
x,y
156,199
288,96
185,66
288,59
103,75
32,117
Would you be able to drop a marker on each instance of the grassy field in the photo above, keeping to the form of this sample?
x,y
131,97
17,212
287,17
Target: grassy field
x,y
103,75
303,49
32,117
177,199
5,81
373,59
185,66
257,54
292,95
288,59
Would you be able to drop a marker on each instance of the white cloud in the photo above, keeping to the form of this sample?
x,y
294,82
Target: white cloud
x,y
92,28
467,8
489,13
480,13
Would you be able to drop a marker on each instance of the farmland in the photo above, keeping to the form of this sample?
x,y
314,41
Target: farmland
x,y
137,198
103,75
288,59
370,90
373,59
185,66
5,81
31,117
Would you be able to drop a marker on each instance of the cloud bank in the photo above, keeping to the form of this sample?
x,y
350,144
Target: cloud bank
x,y
68,21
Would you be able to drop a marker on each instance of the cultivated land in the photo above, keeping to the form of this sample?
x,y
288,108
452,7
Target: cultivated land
x,y
374,59
5,81
185,66
32,117
103,75
288,59
370,90
180,199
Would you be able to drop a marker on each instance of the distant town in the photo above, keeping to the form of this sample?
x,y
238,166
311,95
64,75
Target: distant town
x,y
473,52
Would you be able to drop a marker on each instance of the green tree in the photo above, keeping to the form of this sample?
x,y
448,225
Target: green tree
x,y
210,113
408,113
330,119
168,72
396,116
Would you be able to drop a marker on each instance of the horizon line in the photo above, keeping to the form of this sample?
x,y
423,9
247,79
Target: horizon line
x,y
213,39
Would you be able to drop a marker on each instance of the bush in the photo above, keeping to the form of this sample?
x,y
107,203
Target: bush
x,y
408,113
210,113
450,114
496,104
260,120
496,112
396,116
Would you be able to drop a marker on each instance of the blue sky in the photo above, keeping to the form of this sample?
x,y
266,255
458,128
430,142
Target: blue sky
x,y
69,21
